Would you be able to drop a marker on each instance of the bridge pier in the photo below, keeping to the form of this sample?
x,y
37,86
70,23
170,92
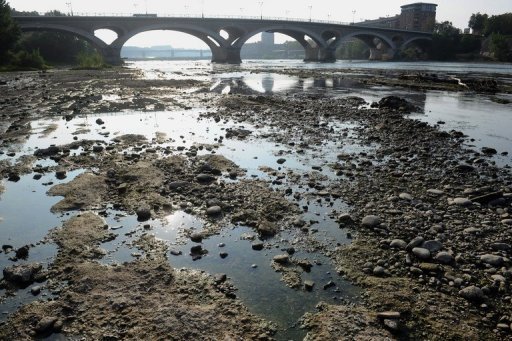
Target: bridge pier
x,y
226,55
111,55
320,55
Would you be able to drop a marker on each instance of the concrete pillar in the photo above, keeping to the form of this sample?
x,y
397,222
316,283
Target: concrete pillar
x,y
226,55
319,54
112,55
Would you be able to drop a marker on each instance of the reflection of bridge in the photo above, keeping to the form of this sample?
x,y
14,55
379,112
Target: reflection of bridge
x,y
226,37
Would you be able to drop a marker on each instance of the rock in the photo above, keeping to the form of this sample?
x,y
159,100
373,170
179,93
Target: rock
x,y
379,271
421,253
444,258
37,176
22,252
435,192
396,103
258,246
501,246
389,315
22,274
36,290
196,237
266,228
220,278
472,293
205,178
432,245
281,259
487,198
415,242
60,174
99,121
196,249
177,185
281,161
371,221
308,285
492,260
489,151
398,244
45,325
223,255
507,221
329,284
429,267
405,196
176,252
213,211
97,149
345,218
464,202
143,213
392,325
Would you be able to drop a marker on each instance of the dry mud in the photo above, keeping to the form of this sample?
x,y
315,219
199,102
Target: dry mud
x,y
430,216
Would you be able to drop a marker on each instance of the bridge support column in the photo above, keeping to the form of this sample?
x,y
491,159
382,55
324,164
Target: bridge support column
x,y
226,55
320,55
112,55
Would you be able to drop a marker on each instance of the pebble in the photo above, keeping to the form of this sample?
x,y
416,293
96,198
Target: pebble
x,y
214,211
421,253
281,259
389,315
398,244
405,196
472,293
308,285
205,178
507,221
281,161
223,255
432,245
493,260
415,242
258,246
35,290
464,202
143,213
99,121
196,237
444,258
371,221
435,192
45,325
379,271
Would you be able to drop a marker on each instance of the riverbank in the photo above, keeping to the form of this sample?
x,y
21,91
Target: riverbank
x,y
429,216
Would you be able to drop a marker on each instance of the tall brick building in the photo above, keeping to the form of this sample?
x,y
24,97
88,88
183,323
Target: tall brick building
x,y
419,16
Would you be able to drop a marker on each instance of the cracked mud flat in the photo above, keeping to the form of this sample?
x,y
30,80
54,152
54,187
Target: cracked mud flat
x,y
430,217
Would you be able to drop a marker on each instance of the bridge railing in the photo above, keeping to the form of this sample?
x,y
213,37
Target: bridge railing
x,y
194,16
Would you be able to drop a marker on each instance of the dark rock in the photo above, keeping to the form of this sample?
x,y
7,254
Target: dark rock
x,y
432,245
472,293
99,121
143,214
35,290
176,185
196,237
421,253
308,285
492,260
258,246
22,274
205,178
45,325
214,211
223,255
281,161
396,103
371,221
281,259
220,278
22,252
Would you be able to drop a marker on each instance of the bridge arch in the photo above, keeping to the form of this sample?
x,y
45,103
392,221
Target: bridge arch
x,y
411,40
291,31
368,37
96,42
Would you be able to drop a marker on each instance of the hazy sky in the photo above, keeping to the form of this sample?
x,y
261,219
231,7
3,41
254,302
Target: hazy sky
x,y
456,11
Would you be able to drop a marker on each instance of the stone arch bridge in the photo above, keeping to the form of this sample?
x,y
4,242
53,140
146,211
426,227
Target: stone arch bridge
x,y
226,36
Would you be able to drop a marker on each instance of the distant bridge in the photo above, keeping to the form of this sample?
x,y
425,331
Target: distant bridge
x,y
227,36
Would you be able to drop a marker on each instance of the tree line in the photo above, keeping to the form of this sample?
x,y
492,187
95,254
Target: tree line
x,y
38,50
491,35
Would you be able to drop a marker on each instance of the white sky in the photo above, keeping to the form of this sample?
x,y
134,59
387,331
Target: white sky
x,y
456,11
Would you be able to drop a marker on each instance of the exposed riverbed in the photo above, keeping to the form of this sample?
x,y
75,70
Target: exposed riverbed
x,y
254,181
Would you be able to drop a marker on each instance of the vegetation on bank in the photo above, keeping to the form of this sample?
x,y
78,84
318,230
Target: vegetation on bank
x,y
491,39
40,50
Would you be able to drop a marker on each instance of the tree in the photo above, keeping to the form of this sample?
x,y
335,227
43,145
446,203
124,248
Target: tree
x,y
501,24
445,41
500,48
477,22
55,13
9,32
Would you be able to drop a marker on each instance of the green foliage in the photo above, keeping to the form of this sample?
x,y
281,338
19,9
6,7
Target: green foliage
x,y
9,32
55,47
445,40
55,13
27,60
353,49
14,12
469,43
478,21
90,60
501,24
500,48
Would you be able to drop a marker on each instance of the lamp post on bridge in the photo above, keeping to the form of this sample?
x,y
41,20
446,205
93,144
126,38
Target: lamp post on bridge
x,y
353,16
202,8
261,10
310,11
70,7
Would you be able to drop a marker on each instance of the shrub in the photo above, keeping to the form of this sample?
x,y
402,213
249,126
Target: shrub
x,y
90,61
28,60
